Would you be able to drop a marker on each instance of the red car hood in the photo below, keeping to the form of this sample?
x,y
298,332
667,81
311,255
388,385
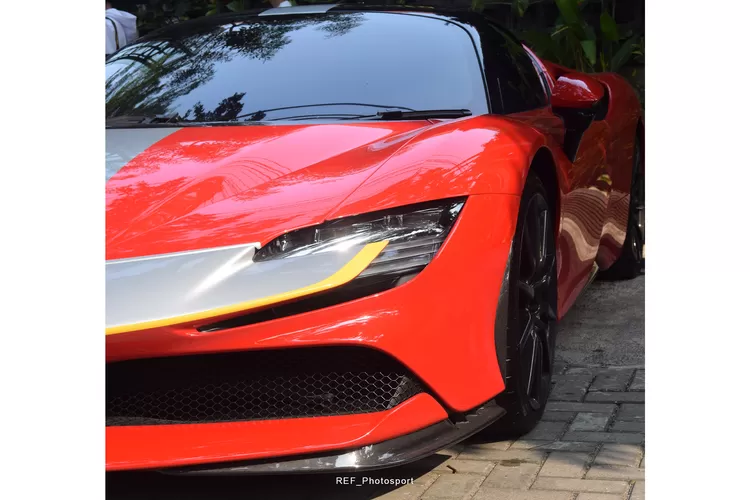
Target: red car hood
x,y
172,190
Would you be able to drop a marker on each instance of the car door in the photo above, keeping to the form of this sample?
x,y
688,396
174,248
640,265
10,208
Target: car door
x,y
584,205
526,87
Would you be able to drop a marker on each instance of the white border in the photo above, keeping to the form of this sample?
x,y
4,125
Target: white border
x,y
698,175
697,298
52,207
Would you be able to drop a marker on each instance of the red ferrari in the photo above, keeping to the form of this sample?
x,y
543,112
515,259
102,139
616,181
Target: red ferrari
x,y
341,238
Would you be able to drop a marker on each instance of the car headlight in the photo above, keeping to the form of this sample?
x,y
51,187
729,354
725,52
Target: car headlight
x,y
414,235
302,270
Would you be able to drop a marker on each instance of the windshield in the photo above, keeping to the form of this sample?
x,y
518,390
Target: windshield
x,y
297,67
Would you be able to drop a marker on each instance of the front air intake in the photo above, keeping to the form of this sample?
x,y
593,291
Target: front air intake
x,y
255,385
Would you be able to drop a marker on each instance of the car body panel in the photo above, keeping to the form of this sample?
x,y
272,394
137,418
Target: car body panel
x,y
194,188
422,323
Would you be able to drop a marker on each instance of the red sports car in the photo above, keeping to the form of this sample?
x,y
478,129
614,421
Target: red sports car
x,y
341,237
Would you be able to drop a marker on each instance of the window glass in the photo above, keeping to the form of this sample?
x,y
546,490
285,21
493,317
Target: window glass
x,y
292,67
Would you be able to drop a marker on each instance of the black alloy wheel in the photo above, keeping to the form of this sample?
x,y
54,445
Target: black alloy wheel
x,y
526,318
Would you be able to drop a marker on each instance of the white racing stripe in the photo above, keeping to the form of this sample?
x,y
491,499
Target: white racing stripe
x,y
124,144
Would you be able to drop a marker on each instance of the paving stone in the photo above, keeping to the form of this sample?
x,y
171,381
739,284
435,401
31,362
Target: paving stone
x,y
410,491
491,445
589,407
620,426
639,382
497,494
612,380
554,446
631,412
598,496
547,430
582,485
581,370
605,437
565,464
512,476
623,455
615,472
506,457
558,368
558,416
570,388
639,491
615,397
455,466
598,370
454,487
585,421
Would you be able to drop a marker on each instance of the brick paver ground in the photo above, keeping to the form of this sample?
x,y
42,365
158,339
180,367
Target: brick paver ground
x,y
589,446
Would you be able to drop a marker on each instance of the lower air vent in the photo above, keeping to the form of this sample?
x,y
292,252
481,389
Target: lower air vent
x,y
255,385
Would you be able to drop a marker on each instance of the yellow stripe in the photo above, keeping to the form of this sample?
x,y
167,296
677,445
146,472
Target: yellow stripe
x,y
344,275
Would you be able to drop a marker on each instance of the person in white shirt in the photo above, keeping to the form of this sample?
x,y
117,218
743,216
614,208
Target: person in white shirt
x,y
121,29
280,3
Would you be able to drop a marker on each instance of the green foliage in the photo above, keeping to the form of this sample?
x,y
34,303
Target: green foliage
x,y
576,44
154,14
520,6
572,42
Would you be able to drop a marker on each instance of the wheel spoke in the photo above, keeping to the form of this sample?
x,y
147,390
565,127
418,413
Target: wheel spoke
x,y
527,291
543,243
528,247
536,305
532,363
527,331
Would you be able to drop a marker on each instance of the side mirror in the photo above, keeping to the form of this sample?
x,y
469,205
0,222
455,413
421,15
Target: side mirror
x,y
579,99
576,91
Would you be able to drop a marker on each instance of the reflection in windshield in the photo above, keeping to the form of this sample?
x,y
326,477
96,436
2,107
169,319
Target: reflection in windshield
x,y
226,72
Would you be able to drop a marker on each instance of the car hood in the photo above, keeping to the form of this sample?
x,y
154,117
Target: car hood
x,y
181,189
178,189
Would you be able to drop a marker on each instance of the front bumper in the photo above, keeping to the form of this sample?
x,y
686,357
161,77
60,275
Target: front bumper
x,y
390,453
440,325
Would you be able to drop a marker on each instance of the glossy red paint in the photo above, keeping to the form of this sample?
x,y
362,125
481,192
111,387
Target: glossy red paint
x,y
208,187
576,91
148,447
204,187
595,187
423,323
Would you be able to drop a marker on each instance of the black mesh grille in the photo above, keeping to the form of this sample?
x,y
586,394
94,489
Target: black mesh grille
x,y
255,385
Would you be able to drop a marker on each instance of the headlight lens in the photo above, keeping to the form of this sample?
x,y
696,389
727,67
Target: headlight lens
x,y
414,234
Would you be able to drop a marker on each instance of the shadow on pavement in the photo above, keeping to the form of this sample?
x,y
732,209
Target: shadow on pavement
x,y
148,486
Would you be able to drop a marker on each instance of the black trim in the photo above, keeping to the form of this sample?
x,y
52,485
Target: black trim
x,y
576,121
602,107
351,291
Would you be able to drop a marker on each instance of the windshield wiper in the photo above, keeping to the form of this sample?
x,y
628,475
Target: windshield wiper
x,y
421,114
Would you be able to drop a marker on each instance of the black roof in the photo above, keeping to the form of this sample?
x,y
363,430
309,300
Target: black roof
x,y
462,15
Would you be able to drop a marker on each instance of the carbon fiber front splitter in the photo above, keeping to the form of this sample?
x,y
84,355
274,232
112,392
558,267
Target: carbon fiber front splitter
x,y
390,453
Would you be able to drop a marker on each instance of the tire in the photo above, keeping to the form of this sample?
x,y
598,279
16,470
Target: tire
x,y
631,262
526,320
